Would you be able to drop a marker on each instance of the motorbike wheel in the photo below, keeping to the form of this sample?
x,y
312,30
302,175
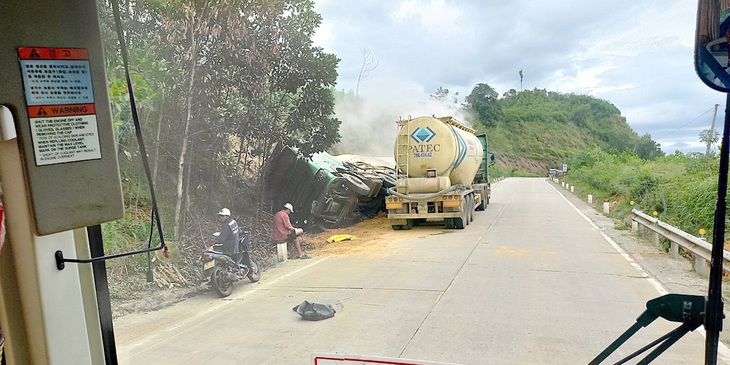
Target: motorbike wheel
x,y
254,273
222,286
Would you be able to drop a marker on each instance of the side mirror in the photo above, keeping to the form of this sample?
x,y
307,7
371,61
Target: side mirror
x,y
711,44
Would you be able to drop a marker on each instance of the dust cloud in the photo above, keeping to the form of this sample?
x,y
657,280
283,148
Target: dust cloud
x,y
369,122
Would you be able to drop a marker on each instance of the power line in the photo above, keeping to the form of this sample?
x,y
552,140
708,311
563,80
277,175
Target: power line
x,y
688,123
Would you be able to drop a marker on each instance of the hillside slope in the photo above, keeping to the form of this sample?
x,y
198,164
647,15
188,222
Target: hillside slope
x,y
537,129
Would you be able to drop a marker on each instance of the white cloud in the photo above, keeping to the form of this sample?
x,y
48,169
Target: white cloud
x,y
636,55
433,16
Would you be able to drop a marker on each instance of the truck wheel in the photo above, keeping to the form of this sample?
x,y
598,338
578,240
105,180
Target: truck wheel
x,y
458,223
408,225
397,227
466,203
483,204
471,208
449,223
466,212
356,185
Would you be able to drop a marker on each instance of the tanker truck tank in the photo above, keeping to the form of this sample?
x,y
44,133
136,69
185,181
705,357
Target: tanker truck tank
x,y
437,160
428,147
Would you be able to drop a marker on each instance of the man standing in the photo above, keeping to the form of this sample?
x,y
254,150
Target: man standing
x,y
284,232
229,232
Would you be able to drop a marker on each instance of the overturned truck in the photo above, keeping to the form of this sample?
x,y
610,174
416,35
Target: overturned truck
x,y
327,192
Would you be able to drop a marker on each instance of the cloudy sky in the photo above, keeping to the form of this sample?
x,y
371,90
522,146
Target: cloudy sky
x,y
635,54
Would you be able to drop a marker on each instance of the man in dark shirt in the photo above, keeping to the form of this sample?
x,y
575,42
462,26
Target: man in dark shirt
x,y
229,232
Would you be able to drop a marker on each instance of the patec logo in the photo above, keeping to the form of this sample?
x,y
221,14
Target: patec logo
x,y
423,135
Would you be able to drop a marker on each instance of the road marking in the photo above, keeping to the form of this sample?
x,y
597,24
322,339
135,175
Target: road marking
x,y
723,350
657,285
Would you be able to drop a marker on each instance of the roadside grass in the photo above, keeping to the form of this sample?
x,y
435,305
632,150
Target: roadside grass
x,y
678,189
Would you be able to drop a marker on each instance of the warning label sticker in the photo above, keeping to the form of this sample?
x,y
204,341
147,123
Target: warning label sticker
x,y
54,76
60,99
65,139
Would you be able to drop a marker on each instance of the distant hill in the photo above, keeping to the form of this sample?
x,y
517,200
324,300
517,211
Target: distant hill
x,y
537,129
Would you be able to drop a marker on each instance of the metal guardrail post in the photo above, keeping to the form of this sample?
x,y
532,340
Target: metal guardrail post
x,y
700,265
674,249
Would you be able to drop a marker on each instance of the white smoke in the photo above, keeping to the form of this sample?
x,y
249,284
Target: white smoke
x,y
369,121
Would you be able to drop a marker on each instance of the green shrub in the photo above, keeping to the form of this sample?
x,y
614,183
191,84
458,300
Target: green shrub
x,y
681,188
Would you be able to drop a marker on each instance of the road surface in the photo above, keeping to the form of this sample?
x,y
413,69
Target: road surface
x,y
534,279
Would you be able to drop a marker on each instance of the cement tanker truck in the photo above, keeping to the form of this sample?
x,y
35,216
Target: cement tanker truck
x,y
442,173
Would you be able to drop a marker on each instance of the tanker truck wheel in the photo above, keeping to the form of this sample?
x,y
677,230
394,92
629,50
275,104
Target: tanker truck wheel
x,y
483,204
459,223
469,209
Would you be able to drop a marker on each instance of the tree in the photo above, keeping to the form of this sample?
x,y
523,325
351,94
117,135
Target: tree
x,y
443,95
191,29
484,104
709,137
236,76
647,149
369,63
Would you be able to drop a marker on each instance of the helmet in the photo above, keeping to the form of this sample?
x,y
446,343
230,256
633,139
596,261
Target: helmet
x,y
225,211
289,206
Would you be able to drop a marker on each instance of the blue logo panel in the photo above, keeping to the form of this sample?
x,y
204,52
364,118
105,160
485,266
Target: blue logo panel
x,y
423,135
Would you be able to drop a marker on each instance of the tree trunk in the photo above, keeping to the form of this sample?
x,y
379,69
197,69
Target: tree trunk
x,y
188,118
186,189
156,160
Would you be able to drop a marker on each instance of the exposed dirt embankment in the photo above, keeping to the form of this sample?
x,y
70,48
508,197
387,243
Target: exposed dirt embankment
x,y
509,162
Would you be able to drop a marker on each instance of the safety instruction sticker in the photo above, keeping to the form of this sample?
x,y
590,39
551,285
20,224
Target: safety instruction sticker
x,y
59,139
60,99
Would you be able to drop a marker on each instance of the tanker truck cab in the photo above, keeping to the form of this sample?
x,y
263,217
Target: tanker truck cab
x,y
442,173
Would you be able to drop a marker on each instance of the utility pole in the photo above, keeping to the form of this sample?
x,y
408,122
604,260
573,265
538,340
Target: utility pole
x,y
712,132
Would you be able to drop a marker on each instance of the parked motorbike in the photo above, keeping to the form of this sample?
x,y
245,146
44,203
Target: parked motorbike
x,y
220,270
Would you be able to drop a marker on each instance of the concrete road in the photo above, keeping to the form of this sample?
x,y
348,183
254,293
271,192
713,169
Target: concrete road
x,y
531,281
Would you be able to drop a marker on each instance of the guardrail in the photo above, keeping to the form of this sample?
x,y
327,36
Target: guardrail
x,y
699,248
